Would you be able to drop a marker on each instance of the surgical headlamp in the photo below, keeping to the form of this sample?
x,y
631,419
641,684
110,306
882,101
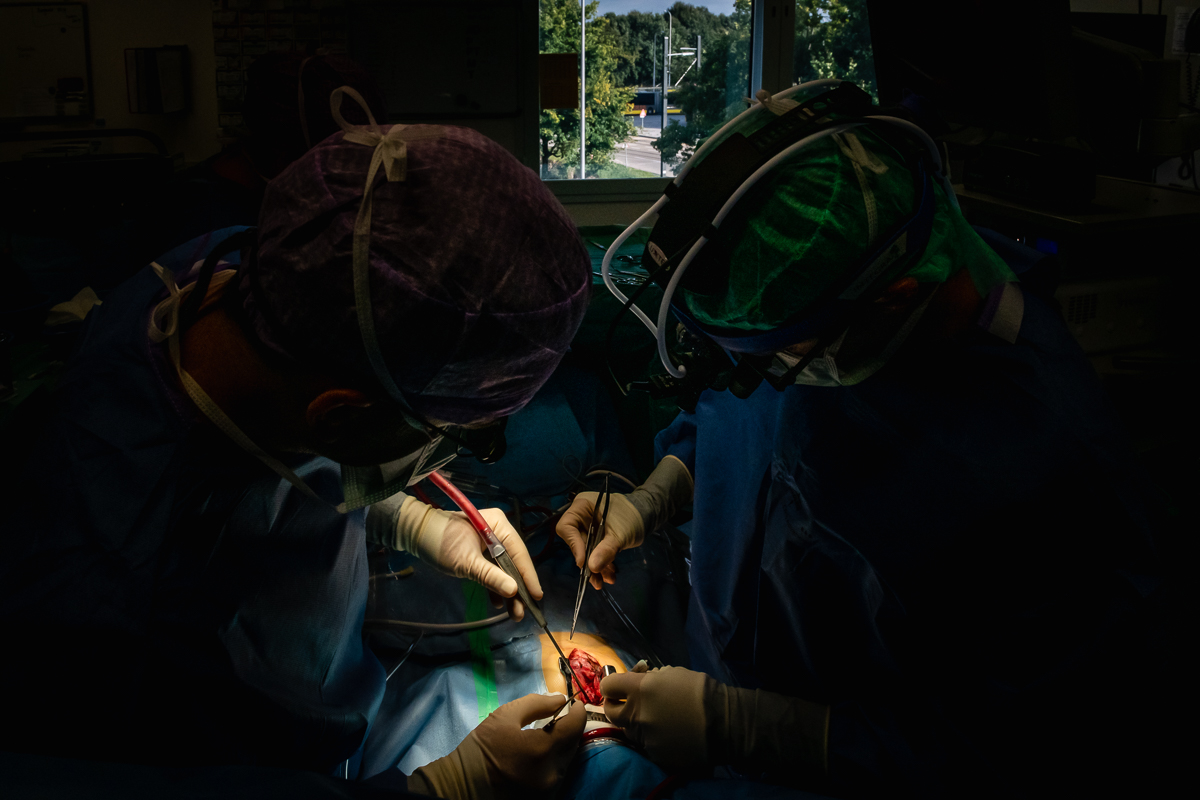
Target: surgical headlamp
x,y
701,197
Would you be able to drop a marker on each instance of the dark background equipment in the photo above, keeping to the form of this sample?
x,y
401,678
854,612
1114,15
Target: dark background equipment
x,y
1056,124
1068,95
157,79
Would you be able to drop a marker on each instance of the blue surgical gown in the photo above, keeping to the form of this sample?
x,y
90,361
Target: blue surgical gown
x,y
165,598
955,555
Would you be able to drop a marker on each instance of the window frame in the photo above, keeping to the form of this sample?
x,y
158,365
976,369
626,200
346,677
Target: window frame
x,y
772,43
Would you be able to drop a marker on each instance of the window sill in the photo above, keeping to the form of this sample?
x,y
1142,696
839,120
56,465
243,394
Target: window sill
x,y
629,190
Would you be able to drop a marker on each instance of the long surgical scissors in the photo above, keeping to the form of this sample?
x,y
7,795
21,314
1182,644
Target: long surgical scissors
x,y
594,535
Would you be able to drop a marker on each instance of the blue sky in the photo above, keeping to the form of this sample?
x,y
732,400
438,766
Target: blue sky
x,y
625,6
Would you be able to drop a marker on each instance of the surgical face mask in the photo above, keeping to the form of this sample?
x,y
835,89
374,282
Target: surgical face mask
x,y
362,486
846,365
822,370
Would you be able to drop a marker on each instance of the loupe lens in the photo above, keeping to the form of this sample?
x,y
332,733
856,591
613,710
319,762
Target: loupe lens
x,y
488,445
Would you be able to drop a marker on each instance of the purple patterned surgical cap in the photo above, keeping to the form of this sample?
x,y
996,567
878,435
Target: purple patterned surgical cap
x,y
478,278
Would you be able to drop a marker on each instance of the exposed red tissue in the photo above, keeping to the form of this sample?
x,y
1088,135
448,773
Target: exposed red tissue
x,y
588,670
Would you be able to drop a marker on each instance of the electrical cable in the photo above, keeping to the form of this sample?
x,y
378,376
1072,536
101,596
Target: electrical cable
x,y
435,628
517,524
617,475
612,326
1192,83
420,494
612,329
647,649
1187,169
550,518
606,262
404,573
538,510
407,653
599,470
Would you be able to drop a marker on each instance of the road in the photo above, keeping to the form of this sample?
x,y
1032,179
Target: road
x,y
638,152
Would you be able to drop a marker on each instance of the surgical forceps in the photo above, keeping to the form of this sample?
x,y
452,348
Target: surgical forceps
x,y
594,535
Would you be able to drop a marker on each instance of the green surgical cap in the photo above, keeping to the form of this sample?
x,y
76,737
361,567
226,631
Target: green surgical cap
x,y
803,225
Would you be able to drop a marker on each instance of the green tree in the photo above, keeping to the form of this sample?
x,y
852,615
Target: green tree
x,y
833,40
692,21
640,36
606,99
713,94
641,40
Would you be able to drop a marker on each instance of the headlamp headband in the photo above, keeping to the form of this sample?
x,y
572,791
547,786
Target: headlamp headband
x,y
892,257
693,215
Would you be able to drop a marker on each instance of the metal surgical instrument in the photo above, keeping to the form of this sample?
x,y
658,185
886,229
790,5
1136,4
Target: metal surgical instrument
x,y
594,535
500,555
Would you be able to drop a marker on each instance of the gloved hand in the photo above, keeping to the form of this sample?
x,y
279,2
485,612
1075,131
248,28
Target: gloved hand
x,y
499,760
687,721
663,711
630,516
446,541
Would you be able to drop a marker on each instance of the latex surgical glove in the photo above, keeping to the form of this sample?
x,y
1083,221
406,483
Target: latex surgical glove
x,y
447,542
630,517
499,760
687,722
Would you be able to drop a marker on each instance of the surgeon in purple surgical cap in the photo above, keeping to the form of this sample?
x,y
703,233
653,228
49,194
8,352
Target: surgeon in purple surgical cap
x,y
242,417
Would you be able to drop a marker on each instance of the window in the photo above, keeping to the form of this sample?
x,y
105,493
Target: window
x,y
833,40
659,76
637,51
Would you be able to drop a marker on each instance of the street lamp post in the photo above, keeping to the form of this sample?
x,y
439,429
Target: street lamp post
x,y
670,30
662,124
654,60
666,76
668,40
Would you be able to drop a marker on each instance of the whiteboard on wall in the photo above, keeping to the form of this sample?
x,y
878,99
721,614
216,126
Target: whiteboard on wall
x,y
44,70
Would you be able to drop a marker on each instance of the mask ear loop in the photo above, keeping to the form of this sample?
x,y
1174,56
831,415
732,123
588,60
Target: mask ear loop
x,y
190,308
168,312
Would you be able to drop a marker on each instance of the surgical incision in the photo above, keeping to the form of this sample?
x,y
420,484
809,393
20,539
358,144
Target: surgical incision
x,y
587,669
